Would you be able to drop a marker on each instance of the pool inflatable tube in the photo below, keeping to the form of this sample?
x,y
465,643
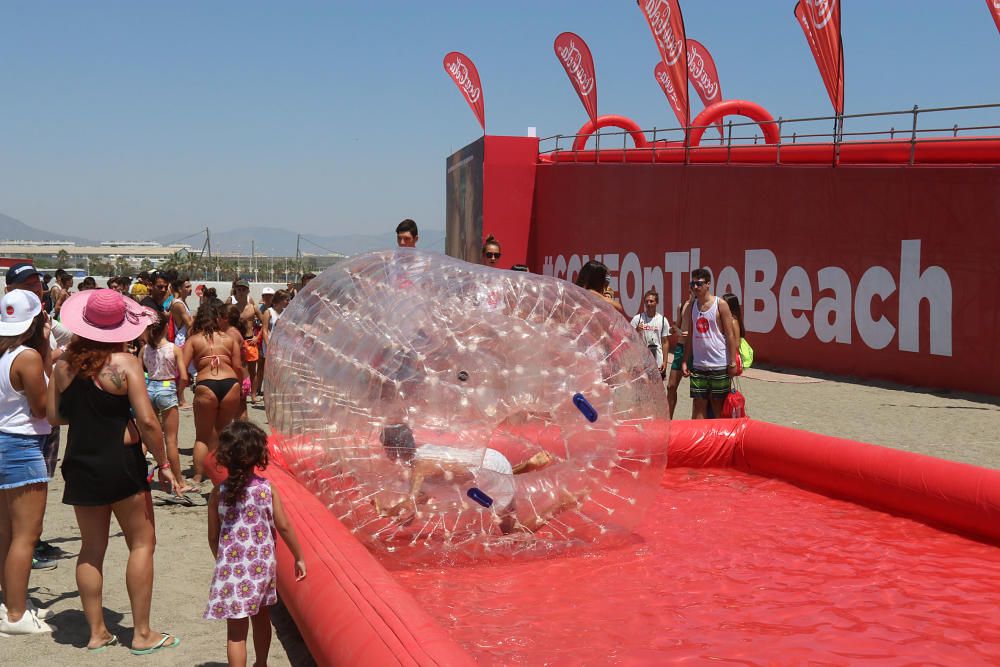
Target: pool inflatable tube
x,y
351,611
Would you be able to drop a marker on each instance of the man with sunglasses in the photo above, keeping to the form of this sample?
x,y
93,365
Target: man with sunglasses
x,y
710,348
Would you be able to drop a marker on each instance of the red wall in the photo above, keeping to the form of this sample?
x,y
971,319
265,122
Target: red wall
x,y
508,184
904,262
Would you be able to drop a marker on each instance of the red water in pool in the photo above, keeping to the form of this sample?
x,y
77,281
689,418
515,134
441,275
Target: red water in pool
x,y
736,568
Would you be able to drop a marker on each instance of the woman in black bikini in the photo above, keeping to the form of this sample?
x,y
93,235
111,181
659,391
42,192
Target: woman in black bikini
x,y
217,394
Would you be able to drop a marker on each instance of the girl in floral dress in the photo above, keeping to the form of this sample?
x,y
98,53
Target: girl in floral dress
x,y
243,514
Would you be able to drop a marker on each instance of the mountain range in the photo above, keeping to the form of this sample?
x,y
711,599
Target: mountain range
x,y
270,241
12,229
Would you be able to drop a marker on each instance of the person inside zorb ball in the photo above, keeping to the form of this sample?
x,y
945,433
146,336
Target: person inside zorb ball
x,y
440,405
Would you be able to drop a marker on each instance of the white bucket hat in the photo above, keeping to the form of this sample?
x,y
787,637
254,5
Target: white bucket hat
x,y
18,309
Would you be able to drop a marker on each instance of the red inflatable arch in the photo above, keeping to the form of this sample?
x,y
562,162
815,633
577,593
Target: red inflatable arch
x,y
751,110
610,120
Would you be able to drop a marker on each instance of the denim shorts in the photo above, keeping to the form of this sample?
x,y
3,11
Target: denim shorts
x,y
21,460
163,394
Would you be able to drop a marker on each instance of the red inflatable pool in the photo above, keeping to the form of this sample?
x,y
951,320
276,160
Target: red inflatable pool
x,y
763,547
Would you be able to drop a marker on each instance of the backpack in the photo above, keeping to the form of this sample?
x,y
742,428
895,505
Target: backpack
x,y
735,406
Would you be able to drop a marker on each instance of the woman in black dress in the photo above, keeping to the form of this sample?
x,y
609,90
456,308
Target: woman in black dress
x,y
96,386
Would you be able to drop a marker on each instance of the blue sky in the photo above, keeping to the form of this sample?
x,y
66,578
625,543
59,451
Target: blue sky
x,y
134,119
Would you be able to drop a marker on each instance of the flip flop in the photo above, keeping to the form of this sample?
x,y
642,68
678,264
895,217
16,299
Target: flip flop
x,y
159,646
104,647
177,500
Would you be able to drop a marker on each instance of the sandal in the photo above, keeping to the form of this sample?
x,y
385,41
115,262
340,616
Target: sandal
x,y
177,500
103,647
158,646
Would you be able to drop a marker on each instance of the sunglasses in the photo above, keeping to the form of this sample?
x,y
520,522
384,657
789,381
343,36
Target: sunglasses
x,y
697,283
492,255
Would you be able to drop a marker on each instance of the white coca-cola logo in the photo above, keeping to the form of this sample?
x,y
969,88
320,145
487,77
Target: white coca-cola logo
x,y
820,12
698,72
668,87
658,14
572,60
460,72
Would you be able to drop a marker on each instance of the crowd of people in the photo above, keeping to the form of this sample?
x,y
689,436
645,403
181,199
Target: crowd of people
x,y
112,366
707,343
708,340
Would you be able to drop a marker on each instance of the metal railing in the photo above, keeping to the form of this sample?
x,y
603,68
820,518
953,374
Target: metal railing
x,y
614,139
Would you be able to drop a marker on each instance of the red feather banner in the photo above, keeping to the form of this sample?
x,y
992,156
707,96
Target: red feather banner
x,y
820,21
574,54
667,25
466,77
704,76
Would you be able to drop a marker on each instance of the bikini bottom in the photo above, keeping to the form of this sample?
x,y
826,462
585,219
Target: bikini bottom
x,y
219,387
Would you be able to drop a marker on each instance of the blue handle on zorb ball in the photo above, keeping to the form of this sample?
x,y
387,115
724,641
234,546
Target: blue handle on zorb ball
x,y
479,497
584,406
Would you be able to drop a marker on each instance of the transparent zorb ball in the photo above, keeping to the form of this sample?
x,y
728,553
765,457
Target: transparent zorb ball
x,y
442,407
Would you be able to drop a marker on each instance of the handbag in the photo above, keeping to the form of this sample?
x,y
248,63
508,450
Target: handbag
x,y
735,406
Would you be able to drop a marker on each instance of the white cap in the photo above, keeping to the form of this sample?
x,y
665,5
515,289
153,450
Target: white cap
x,y
266,291
18,308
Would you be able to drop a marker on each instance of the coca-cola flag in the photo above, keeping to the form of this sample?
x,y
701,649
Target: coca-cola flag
x,y
994,6
667,25
667,84
575,57
820,21
466,77
704,76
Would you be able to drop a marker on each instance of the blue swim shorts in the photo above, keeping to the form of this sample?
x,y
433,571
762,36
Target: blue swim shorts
x,y
21,460
163,394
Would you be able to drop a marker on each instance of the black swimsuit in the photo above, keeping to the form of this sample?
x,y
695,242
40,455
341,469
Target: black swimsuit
x,y
218,387
98,468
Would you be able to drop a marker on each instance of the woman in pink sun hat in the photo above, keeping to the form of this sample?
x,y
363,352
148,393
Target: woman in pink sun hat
x,y
96,386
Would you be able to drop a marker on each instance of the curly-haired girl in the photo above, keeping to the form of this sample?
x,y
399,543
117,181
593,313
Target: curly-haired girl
x,y
243,513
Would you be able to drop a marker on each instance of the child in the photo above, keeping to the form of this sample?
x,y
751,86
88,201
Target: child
x,y
243,513
165,374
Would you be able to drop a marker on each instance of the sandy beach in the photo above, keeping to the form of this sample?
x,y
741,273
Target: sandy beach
x,y
952,426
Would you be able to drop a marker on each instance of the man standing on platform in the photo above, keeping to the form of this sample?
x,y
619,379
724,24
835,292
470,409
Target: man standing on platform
x,y
710,348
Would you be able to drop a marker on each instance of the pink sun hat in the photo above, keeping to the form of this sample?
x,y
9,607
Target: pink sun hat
x,y
105,316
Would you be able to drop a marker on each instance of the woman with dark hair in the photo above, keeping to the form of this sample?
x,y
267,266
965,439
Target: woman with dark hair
x,y
746,352
593,277
491,251
96,388
24,358
217,362
60,291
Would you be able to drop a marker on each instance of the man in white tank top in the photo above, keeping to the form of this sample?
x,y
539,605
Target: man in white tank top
x,y
710,348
